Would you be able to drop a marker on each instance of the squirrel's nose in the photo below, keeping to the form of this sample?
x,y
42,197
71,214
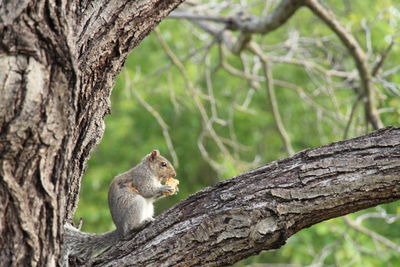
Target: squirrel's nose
x,y
173,174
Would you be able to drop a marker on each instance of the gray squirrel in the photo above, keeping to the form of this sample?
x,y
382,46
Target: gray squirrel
x,y
130,198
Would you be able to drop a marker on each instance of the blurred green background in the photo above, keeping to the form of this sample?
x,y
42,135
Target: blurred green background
x,y
151,87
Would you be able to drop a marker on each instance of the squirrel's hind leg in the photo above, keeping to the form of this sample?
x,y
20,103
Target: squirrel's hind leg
x,y
138,213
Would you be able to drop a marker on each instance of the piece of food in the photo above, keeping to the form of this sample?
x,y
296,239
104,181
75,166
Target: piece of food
x,y
174,183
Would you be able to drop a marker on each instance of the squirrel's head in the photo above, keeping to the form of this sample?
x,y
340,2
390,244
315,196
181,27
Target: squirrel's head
x,y
160,166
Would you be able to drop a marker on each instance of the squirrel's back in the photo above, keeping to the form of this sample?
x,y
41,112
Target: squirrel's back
x,y
130,198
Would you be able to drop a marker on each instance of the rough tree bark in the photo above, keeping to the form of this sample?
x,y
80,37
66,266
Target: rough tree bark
x,y
58,60
261,209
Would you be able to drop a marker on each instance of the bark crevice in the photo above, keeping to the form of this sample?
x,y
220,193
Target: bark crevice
x,y
260,209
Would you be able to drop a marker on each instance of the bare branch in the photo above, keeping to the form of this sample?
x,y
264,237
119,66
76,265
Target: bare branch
x,y
246,24
357,53
261,209
207,122
349,121
164,126
371,233
382,58
182,14
250,24
272,99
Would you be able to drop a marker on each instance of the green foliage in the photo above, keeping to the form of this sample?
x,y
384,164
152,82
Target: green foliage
x,y
132,131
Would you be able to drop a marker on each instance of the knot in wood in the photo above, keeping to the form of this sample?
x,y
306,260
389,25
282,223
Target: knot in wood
x,y
262,228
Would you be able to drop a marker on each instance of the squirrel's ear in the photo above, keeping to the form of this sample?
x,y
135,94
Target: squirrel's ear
x,y
155,153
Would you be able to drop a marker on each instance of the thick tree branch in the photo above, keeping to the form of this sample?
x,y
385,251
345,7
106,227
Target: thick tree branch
x,y
108,30
260,209
246,23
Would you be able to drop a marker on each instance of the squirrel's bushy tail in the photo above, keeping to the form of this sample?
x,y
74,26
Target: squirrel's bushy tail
x,y
85,245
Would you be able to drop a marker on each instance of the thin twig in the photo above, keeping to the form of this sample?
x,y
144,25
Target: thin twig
x,y
272,99
355,50
382,58
372,234
207,123
164,126
353,111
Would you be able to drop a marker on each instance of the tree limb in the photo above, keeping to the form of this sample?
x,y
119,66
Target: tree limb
x,y
372,234
106,31
269,82
246,23
259,210
358,55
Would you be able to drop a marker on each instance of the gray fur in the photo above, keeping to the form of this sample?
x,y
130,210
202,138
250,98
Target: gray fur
x,y
85,245
130,198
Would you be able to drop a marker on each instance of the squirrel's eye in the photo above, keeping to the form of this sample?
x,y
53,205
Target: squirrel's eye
x,y
163,164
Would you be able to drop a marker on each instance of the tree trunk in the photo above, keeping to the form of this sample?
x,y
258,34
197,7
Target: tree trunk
x,y
261,209
58,61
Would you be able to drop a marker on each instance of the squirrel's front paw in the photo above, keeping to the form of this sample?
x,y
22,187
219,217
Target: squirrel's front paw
x,y
174,183
167,189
